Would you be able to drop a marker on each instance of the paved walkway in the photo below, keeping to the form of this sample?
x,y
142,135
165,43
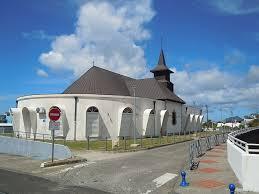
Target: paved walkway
x,y
213,175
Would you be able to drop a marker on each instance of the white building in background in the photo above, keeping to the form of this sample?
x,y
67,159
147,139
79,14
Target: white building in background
x,y
234,124
104,104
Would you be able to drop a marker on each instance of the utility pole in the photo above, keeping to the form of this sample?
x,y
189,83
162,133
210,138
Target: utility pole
x,y
232,118
207,111
134,130
221,118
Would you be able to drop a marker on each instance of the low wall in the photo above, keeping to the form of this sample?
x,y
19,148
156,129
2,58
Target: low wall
x,y
245,167
33,149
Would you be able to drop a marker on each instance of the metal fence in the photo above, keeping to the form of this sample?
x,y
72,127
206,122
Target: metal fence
x,y
249,148
27,135
200,146
105,143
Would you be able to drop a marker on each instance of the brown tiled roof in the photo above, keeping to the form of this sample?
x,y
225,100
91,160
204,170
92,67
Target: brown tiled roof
x,y
151,88
103,82
99,81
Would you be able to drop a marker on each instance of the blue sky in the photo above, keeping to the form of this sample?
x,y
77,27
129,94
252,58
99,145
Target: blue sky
x,y
211,45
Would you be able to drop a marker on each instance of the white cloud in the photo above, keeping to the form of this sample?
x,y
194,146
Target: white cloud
x,y
106,33
215,87
235,57
37,34
235,7
253,74
42,73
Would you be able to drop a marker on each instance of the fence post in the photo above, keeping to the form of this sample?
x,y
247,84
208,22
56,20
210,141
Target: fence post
x,y
88,143
125,143
106,145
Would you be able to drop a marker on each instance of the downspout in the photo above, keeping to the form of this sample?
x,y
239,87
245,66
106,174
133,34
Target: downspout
x,y
182,118
161,130
75,117
154,107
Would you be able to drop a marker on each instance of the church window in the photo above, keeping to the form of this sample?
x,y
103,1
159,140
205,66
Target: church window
x,y
174,118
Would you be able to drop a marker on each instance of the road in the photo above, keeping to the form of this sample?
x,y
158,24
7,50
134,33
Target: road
x,y
13,182
150,171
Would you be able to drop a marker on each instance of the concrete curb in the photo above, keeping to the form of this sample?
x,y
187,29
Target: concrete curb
x,y
140,149
148,148
62,162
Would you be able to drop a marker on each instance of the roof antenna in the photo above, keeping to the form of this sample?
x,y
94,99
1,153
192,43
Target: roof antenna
x,y
93,63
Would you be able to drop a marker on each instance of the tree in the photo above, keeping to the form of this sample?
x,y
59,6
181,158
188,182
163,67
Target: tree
x,y
254,123
3,119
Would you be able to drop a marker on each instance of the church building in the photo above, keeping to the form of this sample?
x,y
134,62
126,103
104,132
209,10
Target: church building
x,y
102,103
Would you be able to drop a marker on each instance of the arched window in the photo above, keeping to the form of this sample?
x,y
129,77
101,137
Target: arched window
x,y
127,110
92,122
174,118
92,109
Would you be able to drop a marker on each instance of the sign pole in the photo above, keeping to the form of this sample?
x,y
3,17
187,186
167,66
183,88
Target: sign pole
x,y
54,115
53,136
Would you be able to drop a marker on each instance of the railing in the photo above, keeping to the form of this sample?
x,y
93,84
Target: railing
x,y
249,148
28,135
200,146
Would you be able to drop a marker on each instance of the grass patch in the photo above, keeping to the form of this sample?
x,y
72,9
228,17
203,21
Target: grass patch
x,y
124,144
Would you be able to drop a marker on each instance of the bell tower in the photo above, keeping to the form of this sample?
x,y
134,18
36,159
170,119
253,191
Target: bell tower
x,y
162,72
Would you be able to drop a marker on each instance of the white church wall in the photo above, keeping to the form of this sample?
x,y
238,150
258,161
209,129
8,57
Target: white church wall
x,y
171,107
109,114
66,103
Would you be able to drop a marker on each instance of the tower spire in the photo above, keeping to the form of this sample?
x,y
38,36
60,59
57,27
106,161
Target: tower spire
x,y
161,42
162,72
161,65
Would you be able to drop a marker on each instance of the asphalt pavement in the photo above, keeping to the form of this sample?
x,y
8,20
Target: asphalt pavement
x,y
20,183
149,171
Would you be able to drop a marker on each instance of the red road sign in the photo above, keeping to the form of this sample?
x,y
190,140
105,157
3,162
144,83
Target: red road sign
x,y
54,113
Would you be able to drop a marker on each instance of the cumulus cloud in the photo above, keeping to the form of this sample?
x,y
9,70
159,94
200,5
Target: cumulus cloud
x,y
253,74
215,87
235,57
37,34
108,33
235,7
42,73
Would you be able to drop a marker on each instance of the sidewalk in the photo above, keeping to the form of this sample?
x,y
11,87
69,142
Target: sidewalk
x,y
213,175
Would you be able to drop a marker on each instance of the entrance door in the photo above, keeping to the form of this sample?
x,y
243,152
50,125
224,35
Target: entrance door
x,y
92,122
150,131
127,124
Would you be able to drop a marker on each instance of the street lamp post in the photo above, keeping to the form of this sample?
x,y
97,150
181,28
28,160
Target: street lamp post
x,y
134,130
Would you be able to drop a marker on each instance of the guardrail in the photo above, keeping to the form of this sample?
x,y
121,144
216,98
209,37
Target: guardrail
x,y
249,148
200,146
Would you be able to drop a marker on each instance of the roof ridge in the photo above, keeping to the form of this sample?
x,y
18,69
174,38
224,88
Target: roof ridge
x,y
112,72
